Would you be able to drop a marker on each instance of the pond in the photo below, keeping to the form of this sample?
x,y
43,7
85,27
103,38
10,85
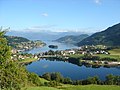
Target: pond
x,y
70,70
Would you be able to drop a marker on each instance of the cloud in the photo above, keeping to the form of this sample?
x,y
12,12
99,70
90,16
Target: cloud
x,y
97,1
40,28
55,29
45,14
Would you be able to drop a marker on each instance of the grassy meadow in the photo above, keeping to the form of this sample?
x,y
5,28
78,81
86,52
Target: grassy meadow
x,y
77,87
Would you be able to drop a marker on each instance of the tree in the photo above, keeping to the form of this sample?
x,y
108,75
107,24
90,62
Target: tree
x,y
5,51
67,81
12,76
93,80
47,76
110,79
56,76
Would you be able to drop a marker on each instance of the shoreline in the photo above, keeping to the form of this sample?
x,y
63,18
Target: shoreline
x,y
27,60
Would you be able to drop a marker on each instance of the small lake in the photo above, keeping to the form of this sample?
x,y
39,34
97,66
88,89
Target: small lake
x,y
67,69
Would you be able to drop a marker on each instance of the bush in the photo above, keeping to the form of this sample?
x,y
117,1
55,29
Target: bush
x,y
12,76
52,83
34,79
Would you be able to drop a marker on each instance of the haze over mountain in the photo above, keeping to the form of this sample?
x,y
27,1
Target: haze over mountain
x,y
72,39
42,35
110,37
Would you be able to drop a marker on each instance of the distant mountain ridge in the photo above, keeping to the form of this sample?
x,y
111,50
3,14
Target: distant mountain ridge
x,y
43,35
72,39
109,37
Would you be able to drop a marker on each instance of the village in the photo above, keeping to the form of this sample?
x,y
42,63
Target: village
x,y
24,46
85,54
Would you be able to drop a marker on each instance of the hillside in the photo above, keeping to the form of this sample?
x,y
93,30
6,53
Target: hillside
x,y
109,37
16,39
13,40
72,39
23,43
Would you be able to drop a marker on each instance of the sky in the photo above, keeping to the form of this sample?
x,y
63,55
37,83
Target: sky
x,y
59,15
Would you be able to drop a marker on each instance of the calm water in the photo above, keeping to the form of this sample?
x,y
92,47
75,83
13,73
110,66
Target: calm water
x,y
70,70
65,68
61,46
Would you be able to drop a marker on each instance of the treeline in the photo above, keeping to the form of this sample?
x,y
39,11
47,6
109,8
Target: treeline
x,y
56,78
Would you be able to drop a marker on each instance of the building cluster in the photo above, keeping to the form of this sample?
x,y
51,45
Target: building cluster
x,y
29,45
85,50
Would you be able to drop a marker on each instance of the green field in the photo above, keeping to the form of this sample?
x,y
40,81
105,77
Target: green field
x,y
93,87
79,87
41,88
115,52
108,56
27,60
76,55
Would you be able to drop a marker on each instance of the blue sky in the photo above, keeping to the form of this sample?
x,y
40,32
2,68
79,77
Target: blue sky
x,y
59,15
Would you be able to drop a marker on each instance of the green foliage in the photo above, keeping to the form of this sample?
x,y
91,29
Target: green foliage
x,y
52,83
110,79
56,76
4,48
67,81
53,76
12,76
34,79
47,76
93,80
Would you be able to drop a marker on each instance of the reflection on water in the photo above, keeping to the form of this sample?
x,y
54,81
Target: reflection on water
x,y
61,46
73,69
67,69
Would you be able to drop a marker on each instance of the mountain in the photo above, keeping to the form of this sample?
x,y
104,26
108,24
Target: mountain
x,y
42,35
23,43
16,39
109,37
72,39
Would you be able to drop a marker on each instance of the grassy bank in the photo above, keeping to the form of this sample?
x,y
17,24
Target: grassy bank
x,y
115,52
93,87
28,60
79,87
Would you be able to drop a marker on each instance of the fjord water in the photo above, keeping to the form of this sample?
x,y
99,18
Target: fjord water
x,y
65,68
61,46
